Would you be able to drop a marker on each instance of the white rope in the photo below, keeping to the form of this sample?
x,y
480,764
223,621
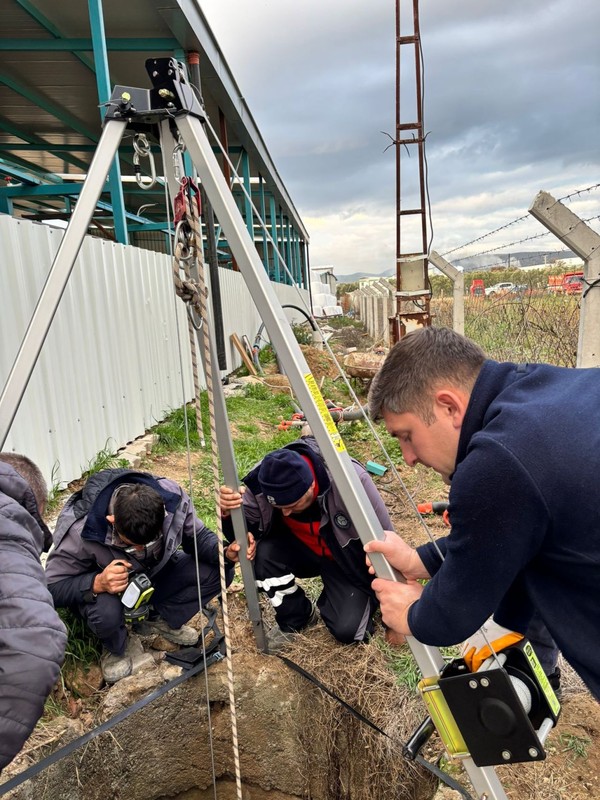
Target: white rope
x,y
197,299
191,494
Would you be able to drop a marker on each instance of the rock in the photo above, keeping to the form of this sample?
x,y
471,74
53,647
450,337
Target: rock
x,y
160,643
168,671
84,681
446,793
133,460
129,690
363,365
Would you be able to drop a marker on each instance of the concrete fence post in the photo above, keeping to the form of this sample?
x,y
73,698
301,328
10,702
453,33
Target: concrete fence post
x,y
458,289
585,243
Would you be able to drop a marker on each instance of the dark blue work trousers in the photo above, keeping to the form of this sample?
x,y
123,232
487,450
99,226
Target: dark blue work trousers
x,y
175,599
346,609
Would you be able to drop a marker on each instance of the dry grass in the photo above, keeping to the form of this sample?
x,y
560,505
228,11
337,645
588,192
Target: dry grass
x,y
355,758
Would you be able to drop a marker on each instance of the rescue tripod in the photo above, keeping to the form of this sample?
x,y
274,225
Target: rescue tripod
x,y
485,702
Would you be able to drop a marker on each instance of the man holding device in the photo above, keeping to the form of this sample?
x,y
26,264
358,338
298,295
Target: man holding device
x,y
127,538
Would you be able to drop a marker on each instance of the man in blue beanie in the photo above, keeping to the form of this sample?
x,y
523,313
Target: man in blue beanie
x,y
300,528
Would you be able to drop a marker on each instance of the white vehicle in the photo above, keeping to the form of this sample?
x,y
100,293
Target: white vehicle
x,y
500,288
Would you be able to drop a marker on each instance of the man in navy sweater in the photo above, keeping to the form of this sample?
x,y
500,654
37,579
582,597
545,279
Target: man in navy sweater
x,y
520,447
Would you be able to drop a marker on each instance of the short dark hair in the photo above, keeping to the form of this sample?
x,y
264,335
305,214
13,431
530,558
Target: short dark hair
x,y
30,473
139,513
416,365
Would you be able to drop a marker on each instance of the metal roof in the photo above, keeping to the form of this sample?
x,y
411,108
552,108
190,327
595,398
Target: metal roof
x,y
50,118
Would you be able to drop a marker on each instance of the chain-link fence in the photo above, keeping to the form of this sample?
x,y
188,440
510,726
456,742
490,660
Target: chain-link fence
x,y
524,327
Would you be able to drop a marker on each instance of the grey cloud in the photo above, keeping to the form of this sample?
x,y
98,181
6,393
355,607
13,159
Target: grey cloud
x,y
512,97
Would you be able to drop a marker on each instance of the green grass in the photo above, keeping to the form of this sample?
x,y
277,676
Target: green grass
x,y
576,746
55,492
83,648
174,430
104,459
401,662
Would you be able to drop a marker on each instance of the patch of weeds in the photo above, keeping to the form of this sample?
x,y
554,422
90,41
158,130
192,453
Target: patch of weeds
x,y
174,430
55,491
248,428
52,708
343,321
312,587
576,746
259,403
249,452
204,505
82,651
303,334
104,459
267,355
401,662
83,647
257,391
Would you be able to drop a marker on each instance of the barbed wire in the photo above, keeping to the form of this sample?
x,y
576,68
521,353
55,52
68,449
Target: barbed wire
x,y
530,238
575,193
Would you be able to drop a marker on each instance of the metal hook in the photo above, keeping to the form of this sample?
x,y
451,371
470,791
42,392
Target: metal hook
x,y
142,149
178,151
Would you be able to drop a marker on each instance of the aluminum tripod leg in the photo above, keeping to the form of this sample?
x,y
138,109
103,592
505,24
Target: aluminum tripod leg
x,y
44,312
429,659
221,421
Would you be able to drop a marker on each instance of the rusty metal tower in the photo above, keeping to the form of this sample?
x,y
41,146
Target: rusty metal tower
x,y
412,280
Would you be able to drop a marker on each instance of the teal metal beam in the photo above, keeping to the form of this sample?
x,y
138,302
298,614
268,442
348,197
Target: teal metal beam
x,y
32,147
13,163
37,141
69,190
263,217
47,105
151,226
49,26
288,251
247,205
43,190
281,240
104,93
275,247
131,45
26,174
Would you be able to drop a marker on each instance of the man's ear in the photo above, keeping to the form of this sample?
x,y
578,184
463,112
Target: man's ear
x,y
111,518
453,404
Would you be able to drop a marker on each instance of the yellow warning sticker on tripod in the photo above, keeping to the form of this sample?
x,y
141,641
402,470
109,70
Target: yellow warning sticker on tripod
x,y
324,412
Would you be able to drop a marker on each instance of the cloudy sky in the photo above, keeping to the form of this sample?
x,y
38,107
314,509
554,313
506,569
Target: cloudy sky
x,y
511,102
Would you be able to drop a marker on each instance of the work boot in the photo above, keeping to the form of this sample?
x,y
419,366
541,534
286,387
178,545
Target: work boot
x,y
186,635
115,668
554,681
278,640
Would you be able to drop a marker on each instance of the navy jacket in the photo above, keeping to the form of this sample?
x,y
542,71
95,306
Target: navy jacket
x,y
525,510
32,636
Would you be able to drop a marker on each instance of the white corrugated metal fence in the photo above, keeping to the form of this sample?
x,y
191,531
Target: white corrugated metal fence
x,y
116,358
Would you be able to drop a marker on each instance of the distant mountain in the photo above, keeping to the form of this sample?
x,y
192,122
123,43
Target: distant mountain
x,y
356,276
489,261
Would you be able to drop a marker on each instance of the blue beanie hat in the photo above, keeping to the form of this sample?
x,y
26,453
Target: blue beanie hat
x,y
284,476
